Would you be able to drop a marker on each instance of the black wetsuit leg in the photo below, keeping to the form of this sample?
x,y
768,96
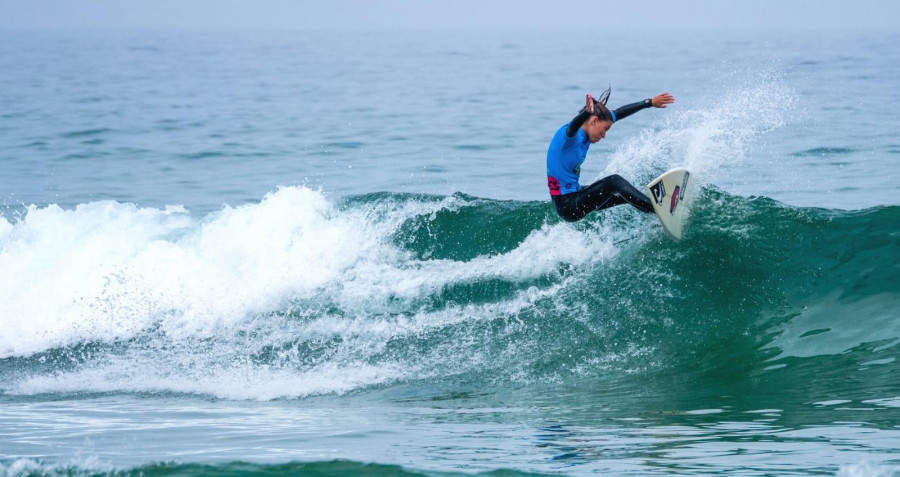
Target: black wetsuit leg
x,y
607,192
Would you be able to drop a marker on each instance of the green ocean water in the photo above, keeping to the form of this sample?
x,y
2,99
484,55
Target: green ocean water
x,y
207,269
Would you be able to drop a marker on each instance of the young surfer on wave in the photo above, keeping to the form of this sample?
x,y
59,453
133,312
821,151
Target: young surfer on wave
x,y
568,150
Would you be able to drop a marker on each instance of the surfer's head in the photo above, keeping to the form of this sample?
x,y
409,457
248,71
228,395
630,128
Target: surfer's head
x,y
601,118
595,128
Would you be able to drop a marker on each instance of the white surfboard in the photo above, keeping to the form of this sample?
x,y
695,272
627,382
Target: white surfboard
x,y
667,193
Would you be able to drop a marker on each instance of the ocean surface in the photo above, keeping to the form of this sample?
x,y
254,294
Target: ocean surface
x,y
333,253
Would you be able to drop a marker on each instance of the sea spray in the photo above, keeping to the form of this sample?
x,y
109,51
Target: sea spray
x,y
708,138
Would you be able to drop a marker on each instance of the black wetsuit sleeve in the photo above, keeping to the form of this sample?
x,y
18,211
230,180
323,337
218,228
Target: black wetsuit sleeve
x,y
629,109
621,113
576,123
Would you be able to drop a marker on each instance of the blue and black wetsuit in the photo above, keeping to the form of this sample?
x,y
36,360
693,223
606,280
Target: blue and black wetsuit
x,y
567,152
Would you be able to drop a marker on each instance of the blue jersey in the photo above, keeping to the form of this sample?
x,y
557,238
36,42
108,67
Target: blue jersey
x,y
564,158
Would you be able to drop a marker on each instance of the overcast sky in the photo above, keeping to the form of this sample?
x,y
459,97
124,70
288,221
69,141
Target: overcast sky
x,y
478,14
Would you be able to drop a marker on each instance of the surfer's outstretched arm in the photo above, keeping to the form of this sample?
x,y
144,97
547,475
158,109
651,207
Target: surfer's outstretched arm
x,y
658,101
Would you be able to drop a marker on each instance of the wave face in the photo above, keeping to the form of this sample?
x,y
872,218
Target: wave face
x,y
299,295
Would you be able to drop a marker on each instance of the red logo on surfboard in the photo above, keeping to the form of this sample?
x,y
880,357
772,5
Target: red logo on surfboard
x,y
678,193
675,201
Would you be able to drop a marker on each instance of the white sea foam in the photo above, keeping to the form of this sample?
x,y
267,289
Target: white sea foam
x,y
867,469
198,298
224,368
76,466
56,267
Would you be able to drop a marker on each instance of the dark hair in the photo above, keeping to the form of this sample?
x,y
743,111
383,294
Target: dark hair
x,y
600,109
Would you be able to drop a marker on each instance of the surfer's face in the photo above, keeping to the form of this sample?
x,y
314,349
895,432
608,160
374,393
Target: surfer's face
x,y
596,129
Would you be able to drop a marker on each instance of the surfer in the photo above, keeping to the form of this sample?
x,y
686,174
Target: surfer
x,y
568,150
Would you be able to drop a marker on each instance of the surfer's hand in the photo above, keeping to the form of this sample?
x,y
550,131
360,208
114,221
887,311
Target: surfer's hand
x,y
660,101
589,103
